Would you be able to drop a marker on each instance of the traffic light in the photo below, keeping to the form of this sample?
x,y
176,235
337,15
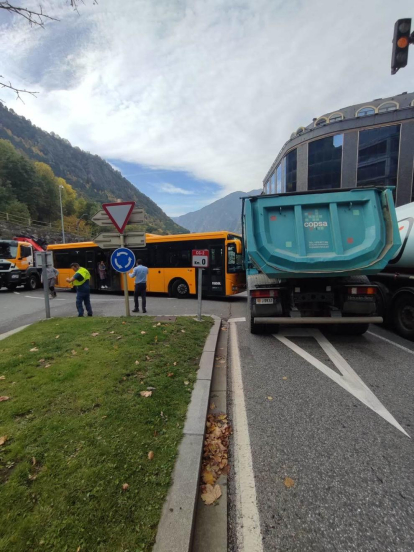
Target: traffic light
x,y
400,44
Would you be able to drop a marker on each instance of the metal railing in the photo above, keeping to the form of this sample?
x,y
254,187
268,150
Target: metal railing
x,y
54,226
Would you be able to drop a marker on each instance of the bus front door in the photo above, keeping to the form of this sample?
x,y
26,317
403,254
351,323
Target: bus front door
x,y
91,267
214,276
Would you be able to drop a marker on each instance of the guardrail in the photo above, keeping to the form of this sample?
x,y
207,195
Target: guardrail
x,y
38,224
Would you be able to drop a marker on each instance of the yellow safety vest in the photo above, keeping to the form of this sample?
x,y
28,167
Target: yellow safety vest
x,y
86,276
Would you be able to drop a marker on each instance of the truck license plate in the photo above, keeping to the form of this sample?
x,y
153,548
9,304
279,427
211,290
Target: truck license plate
x,y
267,301
14,275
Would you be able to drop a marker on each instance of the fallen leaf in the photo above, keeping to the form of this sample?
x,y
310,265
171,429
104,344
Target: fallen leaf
x,y
4,399
143,333
123,322
284,377
186,382
182,331
42,360
156,338
4,377
3,439
34,350
289,482
125,487
113,331
174,363
86,349
48,365
33,461
151,388
150,455
119,337
208,477
212,406
211,494
170,374
224,329
270,398
32,477
137,362
57,337
159,324
95,334
146,393
148,358
103,417
78,549
74,352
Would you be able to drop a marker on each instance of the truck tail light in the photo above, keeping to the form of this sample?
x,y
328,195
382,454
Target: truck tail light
x,y
362,291
265,293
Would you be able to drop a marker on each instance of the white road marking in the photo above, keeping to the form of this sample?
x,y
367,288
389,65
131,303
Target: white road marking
x,y
350,381
16,292
392,343
30,297
11,332
249,536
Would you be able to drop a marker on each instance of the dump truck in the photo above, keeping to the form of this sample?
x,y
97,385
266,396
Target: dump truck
x,y
308,256
396,282
18,263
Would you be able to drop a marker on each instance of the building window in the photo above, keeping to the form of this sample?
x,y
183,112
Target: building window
x,y
325,161
378,156
273,184
365,111
321,121
279,179
300,130
388,106
291,168
336,117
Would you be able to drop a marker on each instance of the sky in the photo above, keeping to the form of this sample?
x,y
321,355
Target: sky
x,y
192,100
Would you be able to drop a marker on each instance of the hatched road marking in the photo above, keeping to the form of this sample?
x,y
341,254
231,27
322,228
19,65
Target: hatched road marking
x,y
392,343
249,536
350,381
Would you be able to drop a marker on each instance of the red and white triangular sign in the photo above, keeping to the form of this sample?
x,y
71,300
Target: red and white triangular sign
x,y
119,213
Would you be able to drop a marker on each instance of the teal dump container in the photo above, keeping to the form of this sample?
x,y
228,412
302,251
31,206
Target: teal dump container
x,y
330,233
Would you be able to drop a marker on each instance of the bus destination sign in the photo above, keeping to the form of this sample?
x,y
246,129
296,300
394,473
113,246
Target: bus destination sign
x,y
200,258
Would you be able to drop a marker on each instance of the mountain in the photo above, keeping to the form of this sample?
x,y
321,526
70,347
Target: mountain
x,y
223,214
89,175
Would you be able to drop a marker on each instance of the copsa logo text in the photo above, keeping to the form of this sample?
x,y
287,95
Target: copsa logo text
x,y
315,224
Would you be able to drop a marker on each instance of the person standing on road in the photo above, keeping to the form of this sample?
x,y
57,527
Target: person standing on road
x,y
102,275
52,274
140,274
83,293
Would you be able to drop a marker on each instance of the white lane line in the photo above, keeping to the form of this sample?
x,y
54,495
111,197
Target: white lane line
x,y
392,343
249,536
350,381
16,292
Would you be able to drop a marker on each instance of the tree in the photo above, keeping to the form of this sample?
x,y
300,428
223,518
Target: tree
x,y
18,210
34,17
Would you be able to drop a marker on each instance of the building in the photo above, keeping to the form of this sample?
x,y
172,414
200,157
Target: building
x,y
367,144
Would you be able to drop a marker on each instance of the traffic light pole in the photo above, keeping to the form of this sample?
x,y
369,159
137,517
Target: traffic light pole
x,y
125,277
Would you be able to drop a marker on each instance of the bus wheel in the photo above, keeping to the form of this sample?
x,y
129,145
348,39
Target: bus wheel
x,y
403,315
31,283
180,289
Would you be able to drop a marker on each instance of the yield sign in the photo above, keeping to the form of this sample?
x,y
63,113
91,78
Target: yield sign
x,y
119,213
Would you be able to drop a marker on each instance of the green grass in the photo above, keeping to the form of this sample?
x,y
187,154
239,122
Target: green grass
x,y
84,422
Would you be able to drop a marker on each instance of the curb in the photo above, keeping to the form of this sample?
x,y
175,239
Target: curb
x,y
175,529
11,332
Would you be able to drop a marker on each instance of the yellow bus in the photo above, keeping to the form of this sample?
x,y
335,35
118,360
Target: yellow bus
x,y
169,261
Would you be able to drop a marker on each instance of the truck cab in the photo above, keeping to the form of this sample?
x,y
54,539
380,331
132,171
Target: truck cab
x,y
17,265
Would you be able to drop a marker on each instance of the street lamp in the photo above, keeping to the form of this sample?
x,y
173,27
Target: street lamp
x,y
61,213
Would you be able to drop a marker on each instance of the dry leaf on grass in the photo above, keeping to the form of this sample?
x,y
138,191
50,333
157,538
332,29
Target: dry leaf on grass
x,y
33,461
211,494
112,332
182,331
156,339
57,336
34,350
3,439
150,455
159,324
42,360
174,363
143,333
74,352
137,362
123,322
4,377
170,374
186,382
125,487
4,399
48,365
95,334
86,349
119,337
289,482
146,393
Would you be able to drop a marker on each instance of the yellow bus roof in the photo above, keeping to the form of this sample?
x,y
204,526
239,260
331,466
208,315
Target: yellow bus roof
x,y
152,238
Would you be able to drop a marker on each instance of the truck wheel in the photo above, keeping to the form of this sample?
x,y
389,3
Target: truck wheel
x,y
32,283
403,315
180,289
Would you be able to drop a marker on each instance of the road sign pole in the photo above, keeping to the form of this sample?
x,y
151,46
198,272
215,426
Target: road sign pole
x,y
200,291
45,283
125,276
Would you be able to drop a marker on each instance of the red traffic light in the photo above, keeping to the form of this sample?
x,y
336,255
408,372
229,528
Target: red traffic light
x,y
400,43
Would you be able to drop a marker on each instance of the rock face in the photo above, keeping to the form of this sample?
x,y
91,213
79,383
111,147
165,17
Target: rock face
x,y
9,230
223,214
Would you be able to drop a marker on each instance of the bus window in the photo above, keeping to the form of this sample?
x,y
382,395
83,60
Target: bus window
x,y
234,259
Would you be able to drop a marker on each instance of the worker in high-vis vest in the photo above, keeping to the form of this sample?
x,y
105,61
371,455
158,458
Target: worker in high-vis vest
x,y
83,292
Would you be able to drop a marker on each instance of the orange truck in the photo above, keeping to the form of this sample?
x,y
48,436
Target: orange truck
x,y
18,263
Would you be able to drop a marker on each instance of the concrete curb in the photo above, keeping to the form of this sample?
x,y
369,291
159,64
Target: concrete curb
x,y
175,530
11,332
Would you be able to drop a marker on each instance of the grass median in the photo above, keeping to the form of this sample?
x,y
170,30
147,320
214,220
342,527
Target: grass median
x,y
86,460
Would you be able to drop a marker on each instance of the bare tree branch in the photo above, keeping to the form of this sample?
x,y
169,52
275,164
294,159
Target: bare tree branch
x,y
18,91
33,17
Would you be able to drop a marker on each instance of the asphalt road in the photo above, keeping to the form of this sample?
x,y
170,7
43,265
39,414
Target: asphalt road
x,y
352,471
25,307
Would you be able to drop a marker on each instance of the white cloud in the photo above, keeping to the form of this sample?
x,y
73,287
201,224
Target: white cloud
x,y
212,88
171,189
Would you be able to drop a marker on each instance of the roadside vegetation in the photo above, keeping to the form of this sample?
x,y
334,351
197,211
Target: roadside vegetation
x,y
91,415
